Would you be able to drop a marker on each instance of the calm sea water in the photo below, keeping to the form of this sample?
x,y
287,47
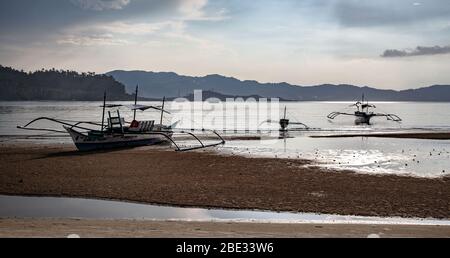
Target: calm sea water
x,y
415,115
424,158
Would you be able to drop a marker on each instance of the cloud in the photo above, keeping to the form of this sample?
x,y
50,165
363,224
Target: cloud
x,y
418,51
125,31
92,40
114,34
355,13
101,5
194,10
136,29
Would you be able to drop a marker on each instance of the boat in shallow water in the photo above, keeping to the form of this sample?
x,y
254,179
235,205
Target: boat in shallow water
x,y
117,133
363,113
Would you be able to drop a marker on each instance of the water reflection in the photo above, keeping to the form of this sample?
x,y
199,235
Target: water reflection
x,y
412,157
49,207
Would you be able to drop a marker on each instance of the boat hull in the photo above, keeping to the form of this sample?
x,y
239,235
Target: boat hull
x,y
363,118
362,121
87,146
86,143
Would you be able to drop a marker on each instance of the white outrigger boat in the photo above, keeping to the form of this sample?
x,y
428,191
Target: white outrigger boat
x,y
363,114
117,133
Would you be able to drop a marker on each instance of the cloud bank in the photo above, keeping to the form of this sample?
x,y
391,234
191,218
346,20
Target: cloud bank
x,y
418,51
357,13
337,41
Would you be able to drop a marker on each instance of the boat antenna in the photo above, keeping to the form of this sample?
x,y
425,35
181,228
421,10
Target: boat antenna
x,y
162,110
135,102
103,113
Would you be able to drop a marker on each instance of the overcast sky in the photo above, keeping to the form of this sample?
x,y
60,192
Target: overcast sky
x,y
385,44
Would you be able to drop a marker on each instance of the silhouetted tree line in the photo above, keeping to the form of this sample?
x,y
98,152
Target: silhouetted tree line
x,y
55,84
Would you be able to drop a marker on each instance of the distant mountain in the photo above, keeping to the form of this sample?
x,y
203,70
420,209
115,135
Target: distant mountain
x,y
157,85
120,85
58,85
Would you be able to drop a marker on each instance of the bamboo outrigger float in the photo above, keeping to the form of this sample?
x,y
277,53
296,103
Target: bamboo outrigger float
x,y
117,133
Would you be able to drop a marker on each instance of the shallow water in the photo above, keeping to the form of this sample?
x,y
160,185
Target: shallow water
x,y
49,207
239,116
422,158
410,157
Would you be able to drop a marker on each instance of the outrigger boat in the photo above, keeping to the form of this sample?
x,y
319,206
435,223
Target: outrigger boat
x,y
117,133
363,114
285,122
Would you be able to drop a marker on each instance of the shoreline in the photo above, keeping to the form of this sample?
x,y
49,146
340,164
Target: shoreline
x,y
424,136
206,180
62,228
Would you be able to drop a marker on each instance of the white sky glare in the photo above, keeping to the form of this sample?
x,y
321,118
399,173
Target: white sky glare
x,y
305,42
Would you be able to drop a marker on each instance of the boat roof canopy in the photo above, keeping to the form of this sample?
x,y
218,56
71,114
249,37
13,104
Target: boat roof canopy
x,y
136,107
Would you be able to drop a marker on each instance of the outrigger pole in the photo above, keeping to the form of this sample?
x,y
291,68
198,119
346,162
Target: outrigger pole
x,y
103,114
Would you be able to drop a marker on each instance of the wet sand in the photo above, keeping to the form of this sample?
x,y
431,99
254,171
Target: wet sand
x,y
429,136
204,179
61,228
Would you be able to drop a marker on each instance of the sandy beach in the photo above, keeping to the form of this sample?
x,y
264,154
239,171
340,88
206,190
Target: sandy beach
x,y
60,228
205,179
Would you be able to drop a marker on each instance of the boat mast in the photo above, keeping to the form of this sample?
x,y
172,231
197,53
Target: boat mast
x,y
135,102
285,109
363,104
103,114
162,110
